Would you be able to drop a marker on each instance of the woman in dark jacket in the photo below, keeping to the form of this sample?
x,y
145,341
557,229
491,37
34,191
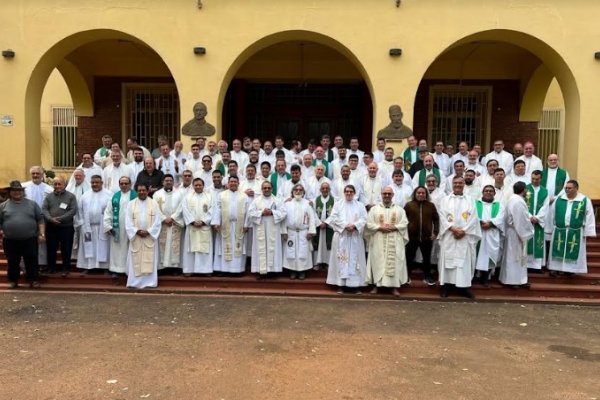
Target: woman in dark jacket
x,y
423,228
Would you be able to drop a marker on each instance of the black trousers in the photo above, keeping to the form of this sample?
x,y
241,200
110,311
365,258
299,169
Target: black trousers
x,y
27,249
411,252
63,236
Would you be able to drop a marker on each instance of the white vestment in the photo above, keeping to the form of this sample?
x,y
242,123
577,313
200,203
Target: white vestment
x,y
87,172
321,254
371,190
112,174
490,246
78,191
142,258
267,252
519,230
93,242
197,255
170,236
504,158
402,193
532,163
230,214
347,264
193,164
119,244
254,185
457,256
588,230
299,222
386,265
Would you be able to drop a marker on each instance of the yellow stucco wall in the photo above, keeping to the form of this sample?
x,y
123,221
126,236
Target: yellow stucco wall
x,y
56,94
564,35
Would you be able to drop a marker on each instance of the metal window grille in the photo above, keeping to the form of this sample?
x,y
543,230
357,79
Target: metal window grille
x,y
549,128
150,111
64,134
459,113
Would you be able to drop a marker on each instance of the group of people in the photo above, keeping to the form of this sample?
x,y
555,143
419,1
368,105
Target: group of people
x,y
369,217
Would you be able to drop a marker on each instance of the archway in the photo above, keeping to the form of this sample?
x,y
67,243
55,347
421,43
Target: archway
x,y
299,85
115,81
492,85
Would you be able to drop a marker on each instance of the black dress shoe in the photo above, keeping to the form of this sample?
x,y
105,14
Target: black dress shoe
x,y
35,285
444,291
468,294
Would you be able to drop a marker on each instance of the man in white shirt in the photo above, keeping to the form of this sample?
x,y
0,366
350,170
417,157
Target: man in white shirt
x,y
441,159
378,152
473,163
518,174
132,144
462,155
194,163
354,149
167,163
88,167
532,162
504,158
240,156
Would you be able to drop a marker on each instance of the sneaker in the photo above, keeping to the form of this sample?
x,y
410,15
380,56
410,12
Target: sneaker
x,y
429,281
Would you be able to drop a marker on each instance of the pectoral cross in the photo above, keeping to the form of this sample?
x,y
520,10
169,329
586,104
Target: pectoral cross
x,y
559,241
578,209
572,243
160,202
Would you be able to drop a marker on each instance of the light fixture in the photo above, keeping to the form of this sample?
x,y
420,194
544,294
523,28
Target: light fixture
x,y
199,50
8,53
395,52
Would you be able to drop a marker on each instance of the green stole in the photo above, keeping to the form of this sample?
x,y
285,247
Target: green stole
x,y
561,177
423,175
567,241
325,164
274,181
116,208
330,155
536,245
221,167
103,152
328,231
479,209
407,155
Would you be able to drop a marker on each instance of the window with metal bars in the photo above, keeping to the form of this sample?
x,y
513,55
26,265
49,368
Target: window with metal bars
x,y
150,110
64,134
459,113
549,129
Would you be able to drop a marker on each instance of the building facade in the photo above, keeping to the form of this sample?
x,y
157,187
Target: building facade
x,y
461,70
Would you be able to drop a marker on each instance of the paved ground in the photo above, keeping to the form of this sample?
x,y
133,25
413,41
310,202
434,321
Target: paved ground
x,y
90,346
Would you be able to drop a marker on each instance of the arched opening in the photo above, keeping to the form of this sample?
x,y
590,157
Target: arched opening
x,y
493,85
118,85
299,85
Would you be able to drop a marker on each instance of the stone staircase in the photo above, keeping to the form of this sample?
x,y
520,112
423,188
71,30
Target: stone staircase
x,y
578,289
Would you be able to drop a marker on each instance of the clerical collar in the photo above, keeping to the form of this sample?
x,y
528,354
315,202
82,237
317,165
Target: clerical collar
x,y
168,190
487,201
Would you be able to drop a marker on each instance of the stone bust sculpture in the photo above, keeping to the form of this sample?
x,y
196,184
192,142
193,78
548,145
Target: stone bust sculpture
x,y
198,126
396,129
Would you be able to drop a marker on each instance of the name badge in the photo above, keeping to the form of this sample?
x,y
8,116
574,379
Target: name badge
x,y
63,206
